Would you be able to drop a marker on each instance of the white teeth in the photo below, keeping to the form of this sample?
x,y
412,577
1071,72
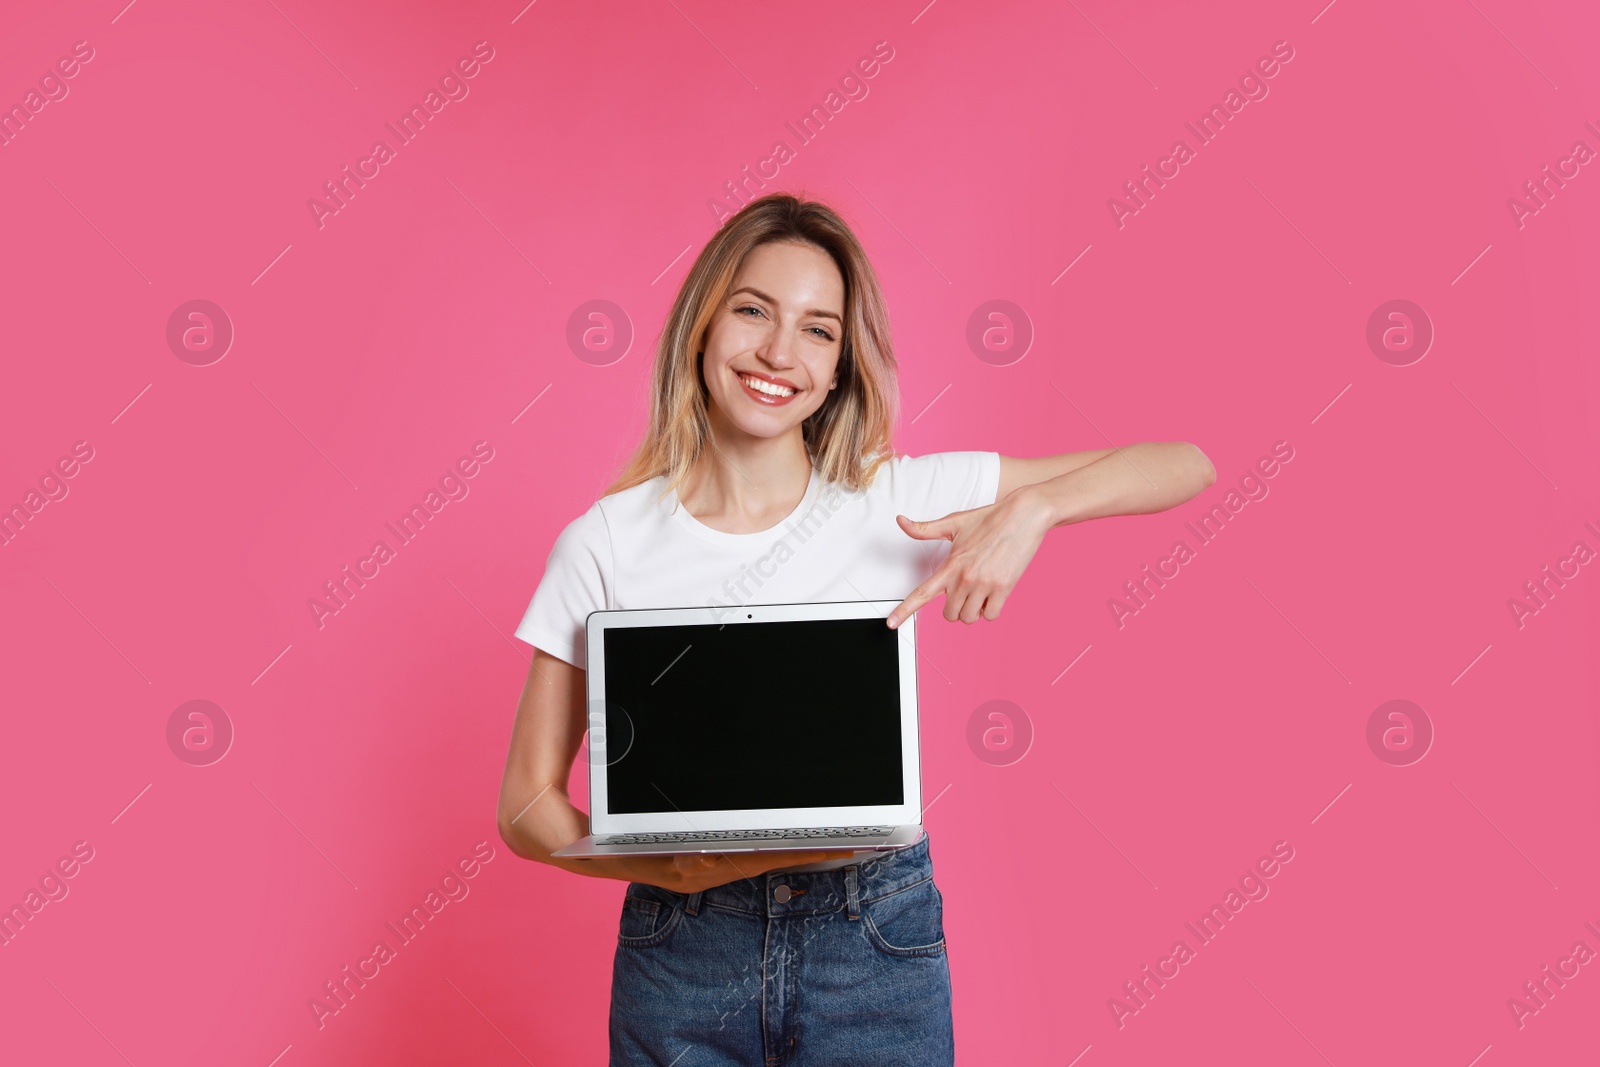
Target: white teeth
x,y
766,387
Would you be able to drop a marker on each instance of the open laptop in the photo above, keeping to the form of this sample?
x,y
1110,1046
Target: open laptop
x,y
755,728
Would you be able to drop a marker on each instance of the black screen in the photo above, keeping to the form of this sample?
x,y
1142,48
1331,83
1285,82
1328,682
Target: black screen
x,y
716,717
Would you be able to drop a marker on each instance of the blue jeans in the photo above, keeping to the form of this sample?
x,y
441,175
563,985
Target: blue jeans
x,y
813,969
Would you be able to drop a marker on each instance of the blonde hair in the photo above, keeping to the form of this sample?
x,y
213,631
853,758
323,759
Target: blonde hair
x,y
848,437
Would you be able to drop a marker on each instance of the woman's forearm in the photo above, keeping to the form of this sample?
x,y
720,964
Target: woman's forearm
x,y
550,822
1136,480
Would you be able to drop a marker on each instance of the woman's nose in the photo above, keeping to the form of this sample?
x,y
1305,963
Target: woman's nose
x,y
780,348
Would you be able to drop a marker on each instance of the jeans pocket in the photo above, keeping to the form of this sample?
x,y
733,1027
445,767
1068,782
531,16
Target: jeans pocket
x,y
907,923
646,922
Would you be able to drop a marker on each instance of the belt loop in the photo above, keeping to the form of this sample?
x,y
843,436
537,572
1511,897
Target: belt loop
x,y
852,897
693,906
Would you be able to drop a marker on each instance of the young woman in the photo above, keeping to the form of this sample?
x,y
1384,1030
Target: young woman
x,y
774,396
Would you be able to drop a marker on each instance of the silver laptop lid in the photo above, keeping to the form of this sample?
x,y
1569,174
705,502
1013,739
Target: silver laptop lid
x,y
772,716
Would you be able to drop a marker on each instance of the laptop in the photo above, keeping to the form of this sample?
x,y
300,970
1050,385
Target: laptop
x,y
763,727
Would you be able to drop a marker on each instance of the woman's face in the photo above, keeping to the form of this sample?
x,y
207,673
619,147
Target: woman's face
x,y
782,324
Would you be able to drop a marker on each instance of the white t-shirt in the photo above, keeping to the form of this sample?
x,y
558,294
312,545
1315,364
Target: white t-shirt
x,y
631,551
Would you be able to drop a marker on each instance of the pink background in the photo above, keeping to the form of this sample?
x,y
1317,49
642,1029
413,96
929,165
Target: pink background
x,y
371,353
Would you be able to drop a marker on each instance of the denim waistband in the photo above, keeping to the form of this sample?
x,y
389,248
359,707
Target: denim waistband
x,y
811,892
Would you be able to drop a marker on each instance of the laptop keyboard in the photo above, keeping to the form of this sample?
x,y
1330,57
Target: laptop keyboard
x,y
743,835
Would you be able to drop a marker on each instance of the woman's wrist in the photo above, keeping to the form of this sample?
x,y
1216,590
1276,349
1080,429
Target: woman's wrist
x,y
1041,504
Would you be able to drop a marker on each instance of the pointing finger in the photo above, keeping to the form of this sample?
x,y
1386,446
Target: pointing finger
x,y
919,596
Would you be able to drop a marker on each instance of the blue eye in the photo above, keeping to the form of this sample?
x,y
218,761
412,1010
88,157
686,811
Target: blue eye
x,y
817,331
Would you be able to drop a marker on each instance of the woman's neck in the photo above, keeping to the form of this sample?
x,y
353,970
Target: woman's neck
x,y
749,487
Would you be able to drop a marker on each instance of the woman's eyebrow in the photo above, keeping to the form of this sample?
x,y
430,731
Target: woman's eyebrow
x,y
819,312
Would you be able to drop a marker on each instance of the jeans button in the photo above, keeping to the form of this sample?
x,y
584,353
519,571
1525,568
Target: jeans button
x,y
782,894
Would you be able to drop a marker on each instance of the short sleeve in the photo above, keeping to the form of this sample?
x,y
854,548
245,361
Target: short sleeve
x,y
577,580
934,485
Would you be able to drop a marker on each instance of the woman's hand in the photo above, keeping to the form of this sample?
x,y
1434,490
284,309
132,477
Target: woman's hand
x,y
990,548
693,873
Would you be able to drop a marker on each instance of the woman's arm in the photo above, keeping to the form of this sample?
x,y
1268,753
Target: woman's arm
x,y
536,817
1136,480
991,546
1018,471
534,814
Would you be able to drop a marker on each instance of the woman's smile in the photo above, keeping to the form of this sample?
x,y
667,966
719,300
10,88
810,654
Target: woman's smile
x,y
766,390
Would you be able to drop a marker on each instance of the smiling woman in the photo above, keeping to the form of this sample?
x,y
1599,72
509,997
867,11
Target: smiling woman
x,y
767,475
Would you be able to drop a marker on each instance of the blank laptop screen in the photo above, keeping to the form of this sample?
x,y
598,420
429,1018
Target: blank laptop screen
x,y
752,715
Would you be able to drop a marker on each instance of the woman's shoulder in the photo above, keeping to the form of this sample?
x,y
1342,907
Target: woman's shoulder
x,y
594,530
934,480
621,510
902,467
